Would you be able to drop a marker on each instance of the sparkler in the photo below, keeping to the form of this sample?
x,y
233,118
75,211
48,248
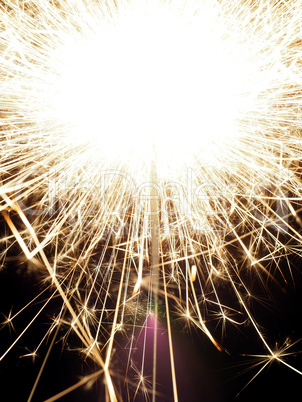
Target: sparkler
x,y
91,91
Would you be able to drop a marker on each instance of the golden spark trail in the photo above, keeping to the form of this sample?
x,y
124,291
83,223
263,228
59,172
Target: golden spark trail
x,y
154,210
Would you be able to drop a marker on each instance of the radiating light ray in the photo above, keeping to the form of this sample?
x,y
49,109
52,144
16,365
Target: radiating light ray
x,y
96,96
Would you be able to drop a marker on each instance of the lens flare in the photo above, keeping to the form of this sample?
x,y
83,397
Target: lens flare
x,y
150,153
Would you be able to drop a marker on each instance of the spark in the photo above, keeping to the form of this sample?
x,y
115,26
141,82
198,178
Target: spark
x,y
150,150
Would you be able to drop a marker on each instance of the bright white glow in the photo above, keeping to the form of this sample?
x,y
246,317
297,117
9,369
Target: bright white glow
x,y
151,79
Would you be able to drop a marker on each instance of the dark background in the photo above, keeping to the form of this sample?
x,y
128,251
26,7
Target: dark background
x,y
203,373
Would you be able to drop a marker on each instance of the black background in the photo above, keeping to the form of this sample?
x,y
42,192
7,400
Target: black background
x,y
203,373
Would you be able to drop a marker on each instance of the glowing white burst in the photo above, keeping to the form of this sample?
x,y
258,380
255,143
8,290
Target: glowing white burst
x,y
151,79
